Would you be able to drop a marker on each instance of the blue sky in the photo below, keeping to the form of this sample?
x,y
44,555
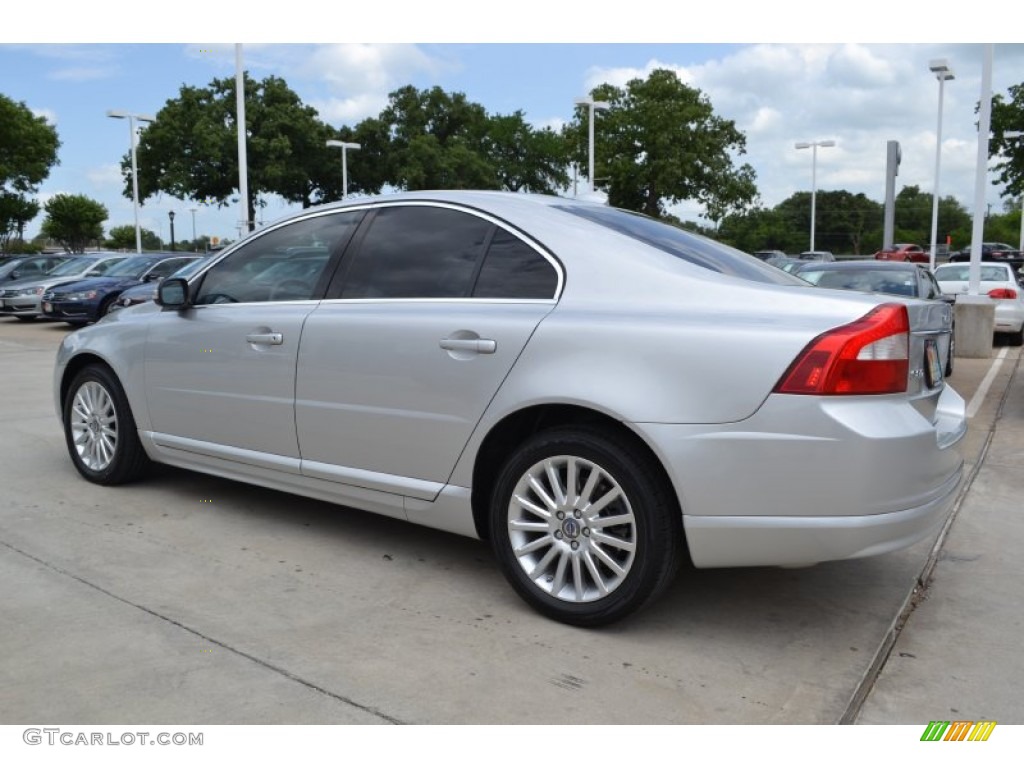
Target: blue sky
x,y
860,95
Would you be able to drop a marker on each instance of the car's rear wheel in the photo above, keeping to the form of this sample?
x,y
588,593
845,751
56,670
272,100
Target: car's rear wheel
x,y
99,429
585,528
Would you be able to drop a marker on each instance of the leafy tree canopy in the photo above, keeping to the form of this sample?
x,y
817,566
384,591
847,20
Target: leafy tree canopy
x,y
1008,115
660,143
191,149
28,147
123,238
74,221
15,212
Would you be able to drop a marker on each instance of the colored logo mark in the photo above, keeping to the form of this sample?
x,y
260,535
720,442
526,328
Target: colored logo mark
x,y
958,730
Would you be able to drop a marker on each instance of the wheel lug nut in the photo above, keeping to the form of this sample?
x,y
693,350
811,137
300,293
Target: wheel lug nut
x,y
577,514
575,545
586,531
558,534
560,515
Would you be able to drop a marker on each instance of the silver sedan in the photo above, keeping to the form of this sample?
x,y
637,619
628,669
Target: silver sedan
x,y
596,393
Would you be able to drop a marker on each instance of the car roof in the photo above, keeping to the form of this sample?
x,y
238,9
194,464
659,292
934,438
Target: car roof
x,y
893,266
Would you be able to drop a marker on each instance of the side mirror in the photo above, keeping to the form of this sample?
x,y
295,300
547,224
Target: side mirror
x,y
172,293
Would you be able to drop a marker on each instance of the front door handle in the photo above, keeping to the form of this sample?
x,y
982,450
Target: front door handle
x,y
482,346
265,338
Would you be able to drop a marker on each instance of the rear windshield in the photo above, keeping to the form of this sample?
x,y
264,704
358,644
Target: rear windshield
x,y
897,282
695,249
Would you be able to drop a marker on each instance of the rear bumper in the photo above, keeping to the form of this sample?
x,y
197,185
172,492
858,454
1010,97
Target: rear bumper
x,y
796,541
807,480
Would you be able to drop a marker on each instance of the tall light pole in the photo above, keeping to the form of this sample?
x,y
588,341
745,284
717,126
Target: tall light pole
x,y
942,73
195,247
345,146
814,174
131,118
591,105
1017,135
170,215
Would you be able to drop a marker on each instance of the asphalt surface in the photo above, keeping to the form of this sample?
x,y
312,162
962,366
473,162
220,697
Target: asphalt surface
x,y
188,599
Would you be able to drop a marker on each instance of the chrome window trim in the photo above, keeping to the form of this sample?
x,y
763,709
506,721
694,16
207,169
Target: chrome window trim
x,y
369,206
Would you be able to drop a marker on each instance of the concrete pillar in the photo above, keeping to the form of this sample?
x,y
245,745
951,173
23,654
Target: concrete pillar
x,y
975,318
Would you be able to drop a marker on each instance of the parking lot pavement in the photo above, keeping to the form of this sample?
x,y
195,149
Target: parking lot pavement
x,y
958,656
190,599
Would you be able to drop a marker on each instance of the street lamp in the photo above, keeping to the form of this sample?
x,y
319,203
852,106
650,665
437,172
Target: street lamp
x,y
814,174
591,105
195,246
345,146
170,215
120,115
942,73
1017,135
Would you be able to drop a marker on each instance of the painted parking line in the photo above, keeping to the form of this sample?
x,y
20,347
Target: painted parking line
x,y
979,396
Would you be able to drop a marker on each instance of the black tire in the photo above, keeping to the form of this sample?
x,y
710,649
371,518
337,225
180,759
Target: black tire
x,y
642,513
27,318
105,307
1017,338
99,429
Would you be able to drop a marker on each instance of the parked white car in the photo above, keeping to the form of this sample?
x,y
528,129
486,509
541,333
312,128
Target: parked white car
x,y
997,282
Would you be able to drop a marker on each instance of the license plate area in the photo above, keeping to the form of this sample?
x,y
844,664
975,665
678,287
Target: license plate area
x,y
932,365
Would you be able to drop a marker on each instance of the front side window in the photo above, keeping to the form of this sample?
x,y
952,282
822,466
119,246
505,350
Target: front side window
x,y
417,252
285,264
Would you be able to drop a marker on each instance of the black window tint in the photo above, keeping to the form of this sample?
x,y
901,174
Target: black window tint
x,y
299,250
417,252
514,270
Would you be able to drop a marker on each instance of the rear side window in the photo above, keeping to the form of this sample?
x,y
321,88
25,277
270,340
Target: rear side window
x,y
417,252
514,270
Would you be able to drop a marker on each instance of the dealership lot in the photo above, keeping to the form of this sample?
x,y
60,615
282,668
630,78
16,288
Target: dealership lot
x,y
190,599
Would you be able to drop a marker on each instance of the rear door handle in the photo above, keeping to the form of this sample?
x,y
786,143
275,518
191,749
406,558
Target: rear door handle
x,y
265,338
482,346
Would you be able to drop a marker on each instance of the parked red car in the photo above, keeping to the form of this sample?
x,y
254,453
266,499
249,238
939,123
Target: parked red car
x,y
904,252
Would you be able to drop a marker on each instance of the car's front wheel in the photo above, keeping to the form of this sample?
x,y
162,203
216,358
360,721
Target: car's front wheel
x,y
584,527
99,429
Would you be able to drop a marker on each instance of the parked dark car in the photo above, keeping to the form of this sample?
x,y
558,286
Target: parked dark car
x,y
894,278
144,292
86,301
992,252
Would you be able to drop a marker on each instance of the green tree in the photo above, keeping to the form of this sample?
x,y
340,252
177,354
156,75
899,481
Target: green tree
x,y
661,143
844,222
123,238
191,149
1008,115
74,221
526,159
437,141
28,148
15,212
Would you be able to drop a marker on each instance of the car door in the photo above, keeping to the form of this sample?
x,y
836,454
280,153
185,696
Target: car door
x,y
220,374
426,317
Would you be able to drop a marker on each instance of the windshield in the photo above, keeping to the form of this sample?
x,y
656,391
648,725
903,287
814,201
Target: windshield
x,y
133,267
690,247
72,267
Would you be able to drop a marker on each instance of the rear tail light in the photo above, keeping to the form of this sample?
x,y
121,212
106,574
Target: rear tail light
x,y
867,357
1002,293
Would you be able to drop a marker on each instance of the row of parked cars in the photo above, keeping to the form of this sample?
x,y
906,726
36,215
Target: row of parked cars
x,y
902,272
81,289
